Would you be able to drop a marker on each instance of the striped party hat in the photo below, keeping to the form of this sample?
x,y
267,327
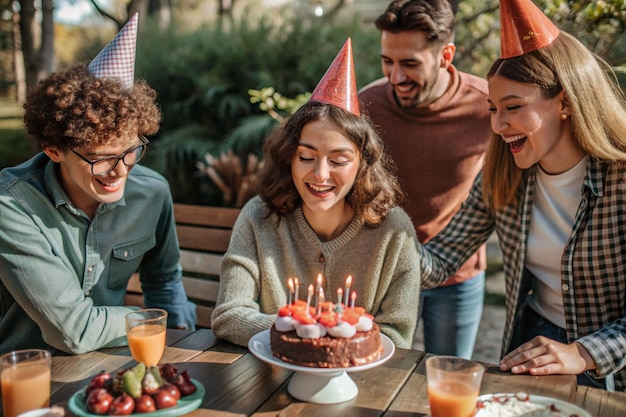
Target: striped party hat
x,y
117,59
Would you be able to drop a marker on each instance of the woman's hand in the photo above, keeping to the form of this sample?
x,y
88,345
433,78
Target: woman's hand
x,y
543,356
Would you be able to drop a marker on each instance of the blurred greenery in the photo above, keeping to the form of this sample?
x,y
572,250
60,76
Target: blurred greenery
x,y
14,143
204,79
206,75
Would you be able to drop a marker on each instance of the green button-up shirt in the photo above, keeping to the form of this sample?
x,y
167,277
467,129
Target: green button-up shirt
x,y
63,276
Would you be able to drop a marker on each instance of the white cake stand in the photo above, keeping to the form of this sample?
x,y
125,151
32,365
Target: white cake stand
x,y
318,385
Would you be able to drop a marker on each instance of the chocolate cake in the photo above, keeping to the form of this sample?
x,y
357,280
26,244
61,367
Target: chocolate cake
x,y
327,351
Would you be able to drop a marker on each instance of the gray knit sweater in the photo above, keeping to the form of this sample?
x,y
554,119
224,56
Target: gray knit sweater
x,y
262,255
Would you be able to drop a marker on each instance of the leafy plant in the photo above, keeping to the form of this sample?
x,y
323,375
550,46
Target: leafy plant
x,y
206,81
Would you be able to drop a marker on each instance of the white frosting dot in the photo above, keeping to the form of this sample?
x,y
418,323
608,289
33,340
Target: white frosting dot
x,y
310,331
365,324
342,329
285,323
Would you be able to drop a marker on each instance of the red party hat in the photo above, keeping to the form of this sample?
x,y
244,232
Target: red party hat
x,y
338,85
523,28
117,59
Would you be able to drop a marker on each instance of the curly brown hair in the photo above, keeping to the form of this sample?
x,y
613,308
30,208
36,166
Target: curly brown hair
x,y
376,189
74,109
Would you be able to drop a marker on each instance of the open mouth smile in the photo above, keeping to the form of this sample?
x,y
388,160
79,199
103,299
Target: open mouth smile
x,y
515,141
320,189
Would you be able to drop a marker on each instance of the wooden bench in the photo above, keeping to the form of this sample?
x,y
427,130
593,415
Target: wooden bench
x,y
203,234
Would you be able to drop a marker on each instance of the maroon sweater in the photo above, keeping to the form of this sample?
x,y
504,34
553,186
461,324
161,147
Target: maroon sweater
x,y
438,151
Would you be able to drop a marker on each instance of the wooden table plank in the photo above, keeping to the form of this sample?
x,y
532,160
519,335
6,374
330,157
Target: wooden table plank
x,y
562,387
243,385
414,395
238,384
72,373
601,403
377,387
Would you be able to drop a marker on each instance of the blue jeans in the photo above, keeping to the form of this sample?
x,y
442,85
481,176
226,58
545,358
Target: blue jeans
x,y
451,316
534,324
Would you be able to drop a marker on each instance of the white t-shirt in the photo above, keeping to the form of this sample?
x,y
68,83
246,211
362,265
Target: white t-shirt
x,y
555,203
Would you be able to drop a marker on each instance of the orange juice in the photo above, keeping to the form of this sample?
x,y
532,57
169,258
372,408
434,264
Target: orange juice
x,y
452,399
24,388
146,343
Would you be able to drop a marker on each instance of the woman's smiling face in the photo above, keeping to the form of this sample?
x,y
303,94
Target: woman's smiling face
x,y
324,167
537,129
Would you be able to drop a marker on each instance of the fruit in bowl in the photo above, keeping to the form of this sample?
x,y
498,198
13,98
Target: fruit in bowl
x,y
137,390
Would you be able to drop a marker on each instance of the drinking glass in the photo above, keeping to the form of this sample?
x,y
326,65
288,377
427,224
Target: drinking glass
x,y
25,381
453,386
145,330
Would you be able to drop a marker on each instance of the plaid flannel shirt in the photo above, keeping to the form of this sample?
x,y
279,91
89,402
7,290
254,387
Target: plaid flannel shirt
x,y
593,265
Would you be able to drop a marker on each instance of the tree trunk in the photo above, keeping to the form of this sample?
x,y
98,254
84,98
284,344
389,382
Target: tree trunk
x,y
225,7
161,12
134,6
38,62
18,60
46,51
27,27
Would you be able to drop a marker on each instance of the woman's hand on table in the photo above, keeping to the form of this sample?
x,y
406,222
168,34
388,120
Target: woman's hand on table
x,y
543,356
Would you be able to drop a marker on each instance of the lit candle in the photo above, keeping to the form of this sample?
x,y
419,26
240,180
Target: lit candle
x,y
308,299
290,284
339,296
347,292
297,290
317,288
320,300
352,299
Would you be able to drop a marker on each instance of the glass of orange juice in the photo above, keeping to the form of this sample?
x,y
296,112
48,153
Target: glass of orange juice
x,y
25,381
453,385
145,330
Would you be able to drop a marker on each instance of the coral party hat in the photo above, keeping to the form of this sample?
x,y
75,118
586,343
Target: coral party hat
x,y
338,85
523,28
117,59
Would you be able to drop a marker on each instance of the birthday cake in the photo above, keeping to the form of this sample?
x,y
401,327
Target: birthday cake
x,y
328,336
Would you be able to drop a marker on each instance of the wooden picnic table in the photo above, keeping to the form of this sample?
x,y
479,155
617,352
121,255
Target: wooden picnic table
x,y
237,383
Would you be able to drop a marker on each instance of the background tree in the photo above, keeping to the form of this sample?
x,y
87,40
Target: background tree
x,y
36,41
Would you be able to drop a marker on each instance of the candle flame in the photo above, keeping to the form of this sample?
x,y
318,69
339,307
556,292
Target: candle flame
x,y
348,284
319,279
290,283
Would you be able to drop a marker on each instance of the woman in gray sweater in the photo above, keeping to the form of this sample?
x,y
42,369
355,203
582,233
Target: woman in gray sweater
x,y
327,204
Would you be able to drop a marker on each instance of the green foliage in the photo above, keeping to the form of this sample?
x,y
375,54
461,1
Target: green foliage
x,y
599,24
275,104
218,82
203,78
477,36
621,76
14,142
175,155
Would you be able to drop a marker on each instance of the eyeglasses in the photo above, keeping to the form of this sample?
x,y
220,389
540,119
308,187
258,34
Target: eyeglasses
x,y
105,165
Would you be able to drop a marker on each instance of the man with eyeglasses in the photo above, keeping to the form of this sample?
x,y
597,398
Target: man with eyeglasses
x,y
78,219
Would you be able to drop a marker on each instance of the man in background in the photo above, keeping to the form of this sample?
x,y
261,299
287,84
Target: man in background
x,y
435,123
